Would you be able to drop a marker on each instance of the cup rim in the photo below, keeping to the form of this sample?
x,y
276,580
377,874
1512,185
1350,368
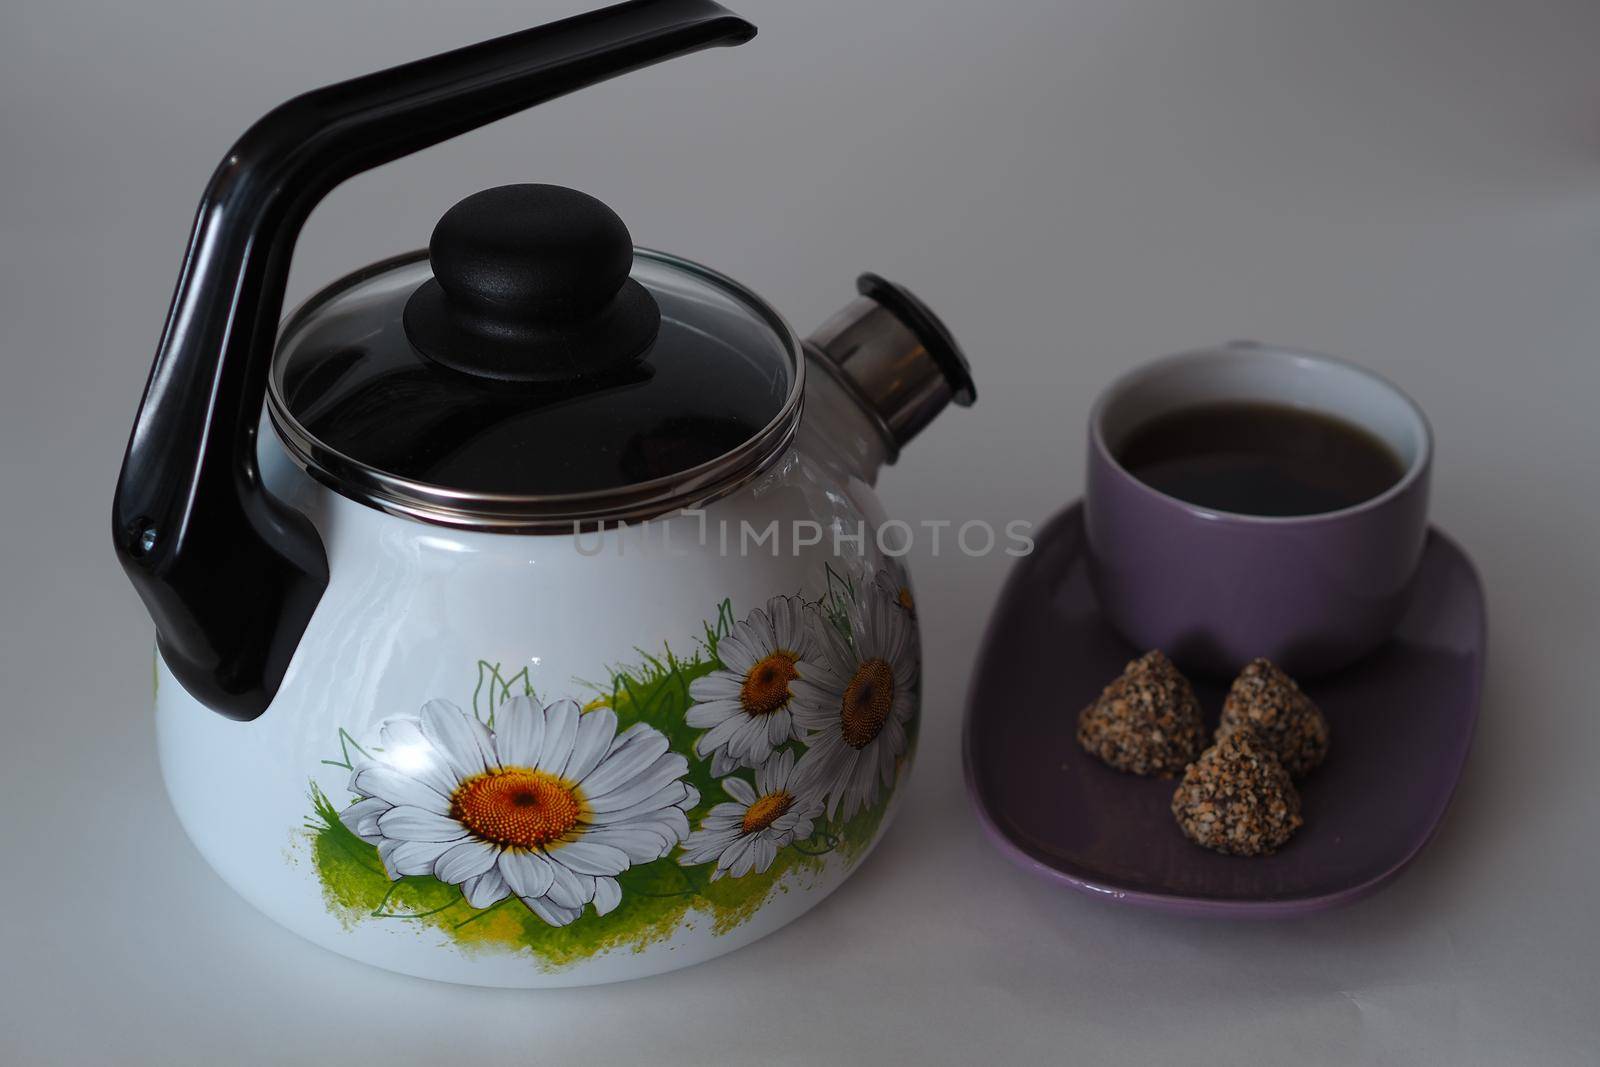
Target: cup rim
x,y
1414,472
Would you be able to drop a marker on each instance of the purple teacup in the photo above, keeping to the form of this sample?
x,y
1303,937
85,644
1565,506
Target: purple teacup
x,y
1214,589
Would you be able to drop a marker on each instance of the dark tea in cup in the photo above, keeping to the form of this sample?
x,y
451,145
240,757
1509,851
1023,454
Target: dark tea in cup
x,y
1256,458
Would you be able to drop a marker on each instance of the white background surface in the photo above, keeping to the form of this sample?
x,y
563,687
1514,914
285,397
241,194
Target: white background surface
x,y
1075,186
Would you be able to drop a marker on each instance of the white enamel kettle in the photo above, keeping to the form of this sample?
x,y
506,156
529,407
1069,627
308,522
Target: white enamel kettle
x,y
537,577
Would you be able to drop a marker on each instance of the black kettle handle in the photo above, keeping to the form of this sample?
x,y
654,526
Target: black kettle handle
x,y
231,575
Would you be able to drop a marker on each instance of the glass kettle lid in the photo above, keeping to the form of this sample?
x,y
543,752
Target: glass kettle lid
x,y
534,369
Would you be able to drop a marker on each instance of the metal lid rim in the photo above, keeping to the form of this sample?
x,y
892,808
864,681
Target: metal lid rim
x,y
519,512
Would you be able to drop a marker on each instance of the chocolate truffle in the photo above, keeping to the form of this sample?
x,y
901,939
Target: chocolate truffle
x,y
1269,702
1147,721
1237,798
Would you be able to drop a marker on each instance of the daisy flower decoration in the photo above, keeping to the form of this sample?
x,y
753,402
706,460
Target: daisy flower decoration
x,y
745,835
549,806
747,708
893,585
853,715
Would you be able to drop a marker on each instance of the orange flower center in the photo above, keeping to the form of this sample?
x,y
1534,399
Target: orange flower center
x,y
766,811
766,685
868,699
517,806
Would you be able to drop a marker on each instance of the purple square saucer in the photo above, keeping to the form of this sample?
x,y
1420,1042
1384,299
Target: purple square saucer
x,y
1401,724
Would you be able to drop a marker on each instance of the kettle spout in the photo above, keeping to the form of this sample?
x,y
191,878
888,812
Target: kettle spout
x,y
894,358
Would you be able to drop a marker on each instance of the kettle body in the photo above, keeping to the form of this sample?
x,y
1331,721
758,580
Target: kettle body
x,y
625,620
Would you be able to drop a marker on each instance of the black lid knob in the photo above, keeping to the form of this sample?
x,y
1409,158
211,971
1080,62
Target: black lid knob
x,y
531,284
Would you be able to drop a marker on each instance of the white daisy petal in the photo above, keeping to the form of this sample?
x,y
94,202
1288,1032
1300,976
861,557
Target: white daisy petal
x,y
707,849
586,856
874,641
485,889
528,874
732,855
397,787
765,852
660,773
741,864
815,707
607,895
844,773
519,732
560,731
735,654
749,742
905,705
407,749
721,837
787,625
409,823
779,725
814,682
701,852
762,635
835,657
635,751
405,858
863,788
820,763
639,844
568,889
886,760
465,859
361,818
721,734
671,823
551,912
894,734
756,640
905,687
670,795
710,713
739,790
718,685
596,730
710,835
462,741
805,622
780,770
400,732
